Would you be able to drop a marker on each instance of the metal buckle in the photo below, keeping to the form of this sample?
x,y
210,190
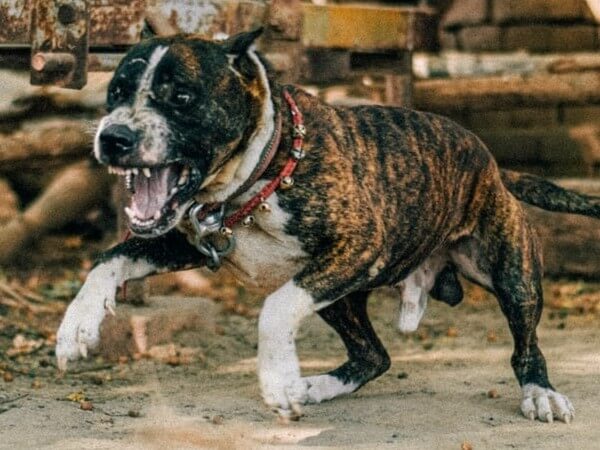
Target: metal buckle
x,y
211,224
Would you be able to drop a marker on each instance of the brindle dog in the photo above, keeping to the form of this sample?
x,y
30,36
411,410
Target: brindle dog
x,y
381,194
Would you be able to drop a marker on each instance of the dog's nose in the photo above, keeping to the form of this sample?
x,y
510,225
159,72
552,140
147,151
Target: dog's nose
x,y
117,140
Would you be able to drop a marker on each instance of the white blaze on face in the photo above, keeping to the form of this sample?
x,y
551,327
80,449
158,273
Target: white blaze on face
x,y
145,84
141,118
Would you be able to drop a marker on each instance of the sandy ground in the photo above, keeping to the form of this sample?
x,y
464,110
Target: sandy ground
x,y
435,396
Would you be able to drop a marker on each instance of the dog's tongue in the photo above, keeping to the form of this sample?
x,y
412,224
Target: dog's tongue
x,y
152,193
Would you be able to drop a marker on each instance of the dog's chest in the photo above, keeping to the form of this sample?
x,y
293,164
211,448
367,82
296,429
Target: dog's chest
x,y
265,256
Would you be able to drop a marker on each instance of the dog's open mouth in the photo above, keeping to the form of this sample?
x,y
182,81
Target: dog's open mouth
x,y
157,195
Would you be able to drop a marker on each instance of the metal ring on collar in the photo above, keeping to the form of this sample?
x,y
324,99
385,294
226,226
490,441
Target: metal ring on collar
x,y
211,252
211,223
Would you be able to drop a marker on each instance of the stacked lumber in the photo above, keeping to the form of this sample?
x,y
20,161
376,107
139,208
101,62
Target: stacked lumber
x,y
535,25
46,138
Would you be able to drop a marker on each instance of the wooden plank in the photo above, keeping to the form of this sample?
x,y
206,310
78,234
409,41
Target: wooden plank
x,y
500,92
358,27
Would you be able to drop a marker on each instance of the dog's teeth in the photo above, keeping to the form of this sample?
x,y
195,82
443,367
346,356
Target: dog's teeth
x,y
111,170
129,212
174,190
135,170
147,172
129,182
183,178
157,215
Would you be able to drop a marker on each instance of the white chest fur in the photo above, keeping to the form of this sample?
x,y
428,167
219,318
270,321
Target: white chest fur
x,y
265,256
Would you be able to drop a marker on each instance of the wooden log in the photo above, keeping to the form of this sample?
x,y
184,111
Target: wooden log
x,y
571,243
48,141
487,93
9,202
76,189
464,64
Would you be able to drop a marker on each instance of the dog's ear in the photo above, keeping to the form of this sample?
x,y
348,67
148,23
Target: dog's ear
x,y
241,43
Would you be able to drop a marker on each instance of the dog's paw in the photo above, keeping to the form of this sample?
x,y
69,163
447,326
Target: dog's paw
x,y
326,387
285,396
80,328
546,404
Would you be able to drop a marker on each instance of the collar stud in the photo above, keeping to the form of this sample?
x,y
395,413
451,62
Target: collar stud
x,y
287,182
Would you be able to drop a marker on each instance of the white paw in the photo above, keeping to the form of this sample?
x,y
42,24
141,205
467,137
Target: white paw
x,y
546,404
285,396
325,387
80,328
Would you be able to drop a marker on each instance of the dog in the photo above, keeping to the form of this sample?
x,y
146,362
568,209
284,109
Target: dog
x,y
315,204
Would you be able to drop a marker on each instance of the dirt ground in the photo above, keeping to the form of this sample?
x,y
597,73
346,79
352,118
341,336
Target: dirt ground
x,y
450,385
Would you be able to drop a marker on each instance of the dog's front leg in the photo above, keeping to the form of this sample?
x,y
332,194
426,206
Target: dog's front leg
x,y
282,387
132,259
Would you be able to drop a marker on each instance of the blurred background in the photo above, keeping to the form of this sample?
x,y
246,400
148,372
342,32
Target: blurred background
x,y
522,74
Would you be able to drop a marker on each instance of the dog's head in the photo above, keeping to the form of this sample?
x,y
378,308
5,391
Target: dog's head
x,y
178,109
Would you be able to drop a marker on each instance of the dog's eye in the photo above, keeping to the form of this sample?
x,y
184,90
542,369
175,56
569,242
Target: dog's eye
x,y
167,93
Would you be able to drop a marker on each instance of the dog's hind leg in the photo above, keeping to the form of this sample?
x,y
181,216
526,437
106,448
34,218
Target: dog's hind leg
x,y
367,358
505,258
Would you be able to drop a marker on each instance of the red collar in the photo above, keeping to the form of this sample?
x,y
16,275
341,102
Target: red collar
x,y
283,179
209,218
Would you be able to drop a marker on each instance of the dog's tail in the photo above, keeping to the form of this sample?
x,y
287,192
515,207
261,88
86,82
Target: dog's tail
x,y
542,193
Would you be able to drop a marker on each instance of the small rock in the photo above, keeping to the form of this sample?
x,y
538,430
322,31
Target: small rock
x,y
466,446
8,377
217,420
36,384
493,393
86,405
133,413
402,375
452,332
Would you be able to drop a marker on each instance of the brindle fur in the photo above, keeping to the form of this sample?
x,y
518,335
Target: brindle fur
x,y
386,187
380,190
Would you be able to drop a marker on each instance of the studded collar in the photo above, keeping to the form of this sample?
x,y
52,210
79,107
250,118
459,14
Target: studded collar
x,y
209,219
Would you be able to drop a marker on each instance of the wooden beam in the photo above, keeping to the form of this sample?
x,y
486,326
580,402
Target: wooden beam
x,y
501,92
363,27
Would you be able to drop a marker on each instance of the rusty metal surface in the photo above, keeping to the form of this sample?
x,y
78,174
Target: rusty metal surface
x,y
15,19
116,22
112,22
120,22
210,17
60,35
59,43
